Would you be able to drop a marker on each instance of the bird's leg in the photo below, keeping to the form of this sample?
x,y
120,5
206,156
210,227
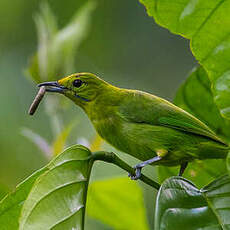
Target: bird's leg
x,y
139,167
182,168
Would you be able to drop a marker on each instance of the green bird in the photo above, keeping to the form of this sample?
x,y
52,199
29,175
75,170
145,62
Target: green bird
x,y
145,126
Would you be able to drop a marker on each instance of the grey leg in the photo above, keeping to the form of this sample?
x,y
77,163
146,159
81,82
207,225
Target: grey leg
x,y
182,168
139,167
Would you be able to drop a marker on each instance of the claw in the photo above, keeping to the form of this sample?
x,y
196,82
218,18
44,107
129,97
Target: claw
x,y
139,166
137,173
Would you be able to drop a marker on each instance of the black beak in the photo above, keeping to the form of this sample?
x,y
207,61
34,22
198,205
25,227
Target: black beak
x,y
53,86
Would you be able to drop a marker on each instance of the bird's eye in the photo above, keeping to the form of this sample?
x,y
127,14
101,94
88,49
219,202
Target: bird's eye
x,y
77,83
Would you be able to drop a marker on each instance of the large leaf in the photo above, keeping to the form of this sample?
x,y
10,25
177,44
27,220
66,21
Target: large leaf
x,y
11,205
206,23
180,205
118,203
53,197
195,96
57,199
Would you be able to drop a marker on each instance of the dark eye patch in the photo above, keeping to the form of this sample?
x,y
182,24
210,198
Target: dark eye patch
x,y
77,83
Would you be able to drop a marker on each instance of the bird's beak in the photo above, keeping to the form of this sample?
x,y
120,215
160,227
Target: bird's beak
x,y
53,86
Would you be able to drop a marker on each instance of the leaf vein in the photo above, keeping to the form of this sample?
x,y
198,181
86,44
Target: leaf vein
x,y
47,194
67,217
208,17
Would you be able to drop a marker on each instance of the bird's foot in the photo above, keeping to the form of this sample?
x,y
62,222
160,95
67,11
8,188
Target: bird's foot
x,y
139,167
137,174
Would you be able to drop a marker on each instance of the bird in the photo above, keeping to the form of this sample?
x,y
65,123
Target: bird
x,y
140,124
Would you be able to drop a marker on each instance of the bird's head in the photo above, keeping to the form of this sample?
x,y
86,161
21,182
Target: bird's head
x,y
81,88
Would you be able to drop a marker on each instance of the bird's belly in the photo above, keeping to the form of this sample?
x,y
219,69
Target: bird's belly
x,y
139,140
123,138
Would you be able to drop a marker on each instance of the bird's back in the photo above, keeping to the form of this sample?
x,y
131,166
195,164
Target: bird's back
x,y
141,107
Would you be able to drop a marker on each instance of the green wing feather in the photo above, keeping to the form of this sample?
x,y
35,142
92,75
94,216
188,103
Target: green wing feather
x,y
141,107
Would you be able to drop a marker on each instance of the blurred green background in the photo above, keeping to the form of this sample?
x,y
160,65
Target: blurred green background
x,y
124,46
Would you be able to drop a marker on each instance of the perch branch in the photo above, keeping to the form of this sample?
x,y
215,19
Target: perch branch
x,y
110,157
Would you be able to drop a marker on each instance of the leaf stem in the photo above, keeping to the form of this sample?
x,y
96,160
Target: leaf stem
x,y
110,157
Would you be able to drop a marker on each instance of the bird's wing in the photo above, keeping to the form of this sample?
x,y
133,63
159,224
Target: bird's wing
x,y
142,107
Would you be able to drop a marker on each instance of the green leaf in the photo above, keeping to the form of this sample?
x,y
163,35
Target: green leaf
x,y
195,97
228,162
46,30
206,23
32,72
68,39
3,191
53,197
11,205
57,199
118,203
180,205
57,48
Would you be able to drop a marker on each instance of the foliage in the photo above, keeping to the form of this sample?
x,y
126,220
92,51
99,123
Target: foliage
x,y
54,197
181,205
195,96
57,48
207,26
107,198
206,95
11,205
3,191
